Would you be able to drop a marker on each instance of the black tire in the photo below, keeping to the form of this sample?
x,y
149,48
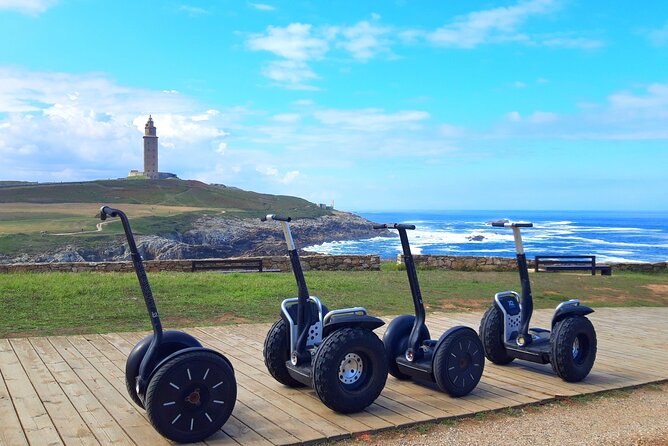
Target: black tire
x,y
277,351
459,362
395,340
491,335
350,370
573,345
191,396
172,341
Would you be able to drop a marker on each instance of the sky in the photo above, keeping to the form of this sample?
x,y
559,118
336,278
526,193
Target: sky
x,y
369,105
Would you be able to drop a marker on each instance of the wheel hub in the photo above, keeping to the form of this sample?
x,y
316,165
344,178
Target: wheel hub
x,y
194,398
351,368
576,347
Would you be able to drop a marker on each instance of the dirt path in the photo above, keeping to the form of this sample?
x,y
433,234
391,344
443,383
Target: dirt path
x,y
98,228
626,417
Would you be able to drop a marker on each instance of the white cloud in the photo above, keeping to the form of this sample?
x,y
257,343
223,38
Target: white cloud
x,y
290,73
659,36
91,125
32,7
294,42
193,11
489,26
286,117
626,115
205,116
365,40
289,177
221,148
372,120
267,170
570,42
262,7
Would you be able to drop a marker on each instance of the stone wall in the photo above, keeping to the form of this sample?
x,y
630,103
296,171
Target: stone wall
x,y
464,263
470,263
317,262
276,263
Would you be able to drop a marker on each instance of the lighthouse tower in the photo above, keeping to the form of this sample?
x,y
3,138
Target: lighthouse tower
x,y
150,150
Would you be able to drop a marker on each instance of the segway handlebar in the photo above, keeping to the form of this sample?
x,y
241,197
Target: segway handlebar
x,y
106,211
512,224
393,226
275,218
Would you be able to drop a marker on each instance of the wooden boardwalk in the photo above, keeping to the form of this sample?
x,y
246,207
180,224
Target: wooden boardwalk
x,y
70,390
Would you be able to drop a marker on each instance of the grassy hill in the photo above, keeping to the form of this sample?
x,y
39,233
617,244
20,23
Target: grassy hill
x,y
43,217
161,192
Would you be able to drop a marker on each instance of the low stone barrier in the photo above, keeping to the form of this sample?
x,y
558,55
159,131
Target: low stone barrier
x,y
317,262
277,263
471,263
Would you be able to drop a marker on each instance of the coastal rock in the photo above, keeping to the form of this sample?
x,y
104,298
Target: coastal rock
x,y
216,237
475,238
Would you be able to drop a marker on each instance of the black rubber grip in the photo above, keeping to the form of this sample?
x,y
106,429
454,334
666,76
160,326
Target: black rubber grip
x,y
106,211
523,225
263,218
500,223
403,226
382,226
281,218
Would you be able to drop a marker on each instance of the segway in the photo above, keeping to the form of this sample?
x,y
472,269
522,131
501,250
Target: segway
x,y
188,391
570,346
334,352
454,362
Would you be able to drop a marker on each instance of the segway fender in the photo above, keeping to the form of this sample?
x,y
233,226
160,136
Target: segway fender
x,y
183,352
172,340
447,333
355,321
570,310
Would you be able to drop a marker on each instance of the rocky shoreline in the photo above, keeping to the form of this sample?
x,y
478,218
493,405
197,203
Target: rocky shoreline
x,y
218,237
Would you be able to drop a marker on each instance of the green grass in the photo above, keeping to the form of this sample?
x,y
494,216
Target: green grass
x,y
160,192
34,217
62,303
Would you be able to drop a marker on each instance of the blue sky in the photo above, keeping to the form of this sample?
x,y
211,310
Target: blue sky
x,y
534,104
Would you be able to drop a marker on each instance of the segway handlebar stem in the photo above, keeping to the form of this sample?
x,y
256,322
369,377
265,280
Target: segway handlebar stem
x,y
302,288
412,347
106,211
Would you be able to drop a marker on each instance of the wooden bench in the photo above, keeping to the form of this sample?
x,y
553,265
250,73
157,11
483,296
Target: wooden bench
x,y
228,265
570,263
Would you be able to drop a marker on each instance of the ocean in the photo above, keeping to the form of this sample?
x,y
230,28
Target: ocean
x,y
610,236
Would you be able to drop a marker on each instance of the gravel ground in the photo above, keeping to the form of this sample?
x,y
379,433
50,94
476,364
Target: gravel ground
x,y
625,417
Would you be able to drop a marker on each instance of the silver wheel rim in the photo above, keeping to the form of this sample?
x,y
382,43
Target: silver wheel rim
x,y
576,347
350,369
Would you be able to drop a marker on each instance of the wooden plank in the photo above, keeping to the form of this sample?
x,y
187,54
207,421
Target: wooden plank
x,y
100,421
11,431
37,425
87,378
125,413
71,427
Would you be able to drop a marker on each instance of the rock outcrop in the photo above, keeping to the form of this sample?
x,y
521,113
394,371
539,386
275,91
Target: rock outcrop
x,y
216,236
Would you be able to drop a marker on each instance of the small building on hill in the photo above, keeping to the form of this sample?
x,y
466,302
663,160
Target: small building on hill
x,y
151,155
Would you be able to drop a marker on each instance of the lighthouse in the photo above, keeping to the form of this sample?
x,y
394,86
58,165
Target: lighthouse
x,y
150,150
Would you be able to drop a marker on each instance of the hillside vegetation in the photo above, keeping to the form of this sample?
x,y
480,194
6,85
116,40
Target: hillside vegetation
x,y
47,218
161,192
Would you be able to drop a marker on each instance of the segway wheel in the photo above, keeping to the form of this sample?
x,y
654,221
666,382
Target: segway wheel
x,y
172,341
191,396
350,369
277,352
395,340
459,362
491,335
573,344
